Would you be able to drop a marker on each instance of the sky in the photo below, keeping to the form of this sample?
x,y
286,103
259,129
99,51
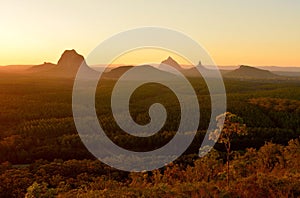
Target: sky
x,y
233,32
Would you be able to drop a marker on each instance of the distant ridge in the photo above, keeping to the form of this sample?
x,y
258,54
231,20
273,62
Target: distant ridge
x,y
245,71
14,68
42,67
70,61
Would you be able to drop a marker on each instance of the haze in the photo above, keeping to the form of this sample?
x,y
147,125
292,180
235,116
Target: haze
x,y
234,32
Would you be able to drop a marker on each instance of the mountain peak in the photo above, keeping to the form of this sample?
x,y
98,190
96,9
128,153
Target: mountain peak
x,y
170,58
171,62
71,52
67,66
200,64
70,58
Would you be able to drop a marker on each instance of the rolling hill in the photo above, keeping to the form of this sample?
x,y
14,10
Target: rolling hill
x,y
249,72
139,73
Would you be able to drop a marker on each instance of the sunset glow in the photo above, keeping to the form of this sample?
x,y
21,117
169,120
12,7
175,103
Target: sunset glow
x,y
233,32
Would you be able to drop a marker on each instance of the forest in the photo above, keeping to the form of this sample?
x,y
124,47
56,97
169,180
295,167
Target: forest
x,y
41,154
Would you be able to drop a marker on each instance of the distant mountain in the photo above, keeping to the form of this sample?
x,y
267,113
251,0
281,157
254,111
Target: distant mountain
x,y
189,72
70,60
169,62
141,72
278,70
250,72
204,71
67,65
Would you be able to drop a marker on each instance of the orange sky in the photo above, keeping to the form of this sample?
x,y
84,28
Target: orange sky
x,y
233,32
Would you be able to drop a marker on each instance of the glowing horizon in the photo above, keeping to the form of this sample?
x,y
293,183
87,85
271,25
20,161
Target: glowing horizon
x,y
234,32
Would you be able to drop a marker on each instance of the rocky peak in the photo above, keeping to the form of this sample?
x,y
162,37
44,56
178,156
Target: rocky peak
x,y
171,62
70,58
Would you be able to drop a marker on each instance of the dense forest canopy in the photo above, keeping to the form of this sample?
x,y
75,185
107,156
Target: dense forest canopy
x,y
42,154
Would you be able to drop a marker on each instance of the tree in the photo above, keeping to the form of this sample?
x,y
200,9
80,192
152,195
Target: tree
x,y
270,156
40,190
229,125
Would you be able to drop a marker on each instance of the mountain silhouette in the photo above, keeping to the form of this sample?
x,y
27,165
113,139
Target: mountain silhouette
x,y
139,73
67,65
201,70
245,71
169,62
70,60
